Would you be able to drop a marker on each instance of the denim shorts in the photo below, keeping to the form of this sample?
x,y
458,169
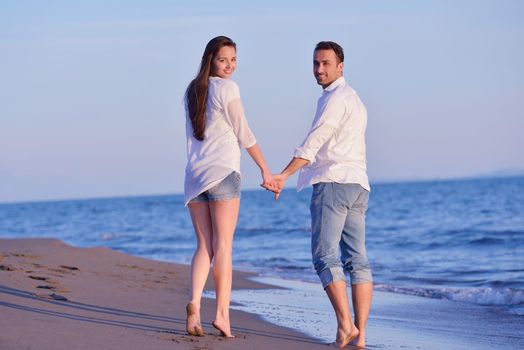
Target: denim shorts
x,y
227,189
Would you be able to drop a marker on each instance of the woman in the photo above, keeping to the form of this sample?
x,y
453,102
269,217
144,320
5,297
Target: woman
x,y
216,129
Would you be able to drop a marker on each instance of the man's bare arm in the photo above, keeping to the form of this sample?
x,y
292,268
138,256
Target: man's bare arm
x,y
295,165
280,179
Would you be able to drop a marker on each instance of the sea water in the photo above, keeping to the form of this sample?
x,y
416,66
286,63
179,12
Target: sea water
x,y
461,240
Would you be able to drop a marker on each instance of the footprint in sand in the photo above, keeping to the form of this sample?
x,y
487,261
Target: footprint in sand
x,y
38,278
6,268
62,271
58,297
52,296
46,287
55,288
28,256
45,279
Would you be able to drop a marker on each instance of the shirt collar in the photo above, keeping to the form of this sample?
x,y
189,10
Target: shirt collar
x,y
335,84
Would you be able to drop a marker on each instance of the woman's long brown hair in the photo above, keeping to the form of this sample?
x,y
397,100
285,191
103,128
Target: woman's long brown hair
x,y
196,92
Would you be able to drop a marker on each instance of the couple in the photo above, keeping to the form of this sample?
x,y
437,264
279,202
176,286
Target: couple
x,y
331,158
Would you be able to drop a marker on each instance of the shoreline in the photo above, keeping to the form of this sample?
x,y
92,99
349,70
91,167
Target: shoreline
x,y
397,321
55,296
115,301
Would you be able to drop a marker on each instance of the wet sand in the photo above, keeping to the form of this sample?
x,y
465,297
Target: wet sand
x,y
397,321
54,296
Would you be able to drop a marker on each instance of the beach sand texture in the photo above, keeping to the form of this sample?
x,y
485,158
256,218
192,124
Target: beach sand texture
x,y
54,296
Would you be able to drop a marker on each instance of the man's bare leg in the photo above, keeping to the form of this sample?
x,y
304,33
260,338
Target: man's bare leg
x,y
338,295
361,295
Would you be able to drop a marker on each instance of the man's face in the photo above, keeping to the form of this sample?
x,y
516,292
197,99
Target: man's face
x,y
326,67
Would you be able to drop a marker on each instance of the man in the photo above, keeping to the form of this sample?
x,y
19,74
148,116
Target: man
x,y
332,158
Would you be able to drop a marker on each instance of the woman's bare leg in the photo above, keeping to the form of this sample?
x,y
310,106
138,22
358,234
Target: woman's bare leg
x,y
200,264
224,217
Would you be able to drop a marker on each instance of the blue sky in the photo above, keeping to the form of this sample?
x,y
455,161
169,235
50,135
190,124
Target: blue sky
x,y
91,91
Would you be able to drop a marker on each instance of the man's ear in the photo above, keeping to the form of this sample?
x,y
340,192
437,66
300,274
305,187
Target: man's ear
x,y
341,66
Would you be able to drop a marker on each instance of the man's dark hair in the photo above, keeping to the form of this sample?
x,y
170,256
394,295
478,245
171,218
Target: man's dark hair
x,y
331,45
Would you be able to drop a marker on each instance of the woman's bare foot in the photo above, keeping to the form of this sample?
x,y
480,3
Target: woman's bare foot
x,y
193,325
345,335
224,328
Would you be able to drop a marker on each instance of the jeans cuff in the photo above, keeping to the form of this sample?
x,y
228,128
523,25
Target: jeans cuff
x,y
359,277
331,274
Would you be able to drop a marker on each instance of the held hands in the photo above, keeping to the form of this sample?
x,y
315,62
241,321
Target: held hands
x,y
274,183
268,182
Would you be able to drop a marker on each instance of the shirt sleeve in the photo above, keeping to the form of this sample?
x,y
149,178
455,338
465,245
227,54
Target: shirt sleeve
x,y
234,112
322,130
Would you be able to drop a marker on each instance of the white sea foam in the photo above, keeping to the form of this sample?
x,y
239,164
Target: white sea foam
x,y
301,306
304,307
107,236
479,296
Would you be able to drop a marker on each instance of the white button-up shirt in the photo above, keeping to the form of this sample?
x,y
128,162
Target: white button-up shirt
x,y
335,146
211,160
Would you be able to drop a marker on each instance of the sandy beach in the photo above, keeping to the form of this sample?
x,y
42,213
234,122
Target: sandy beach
x,y
55,296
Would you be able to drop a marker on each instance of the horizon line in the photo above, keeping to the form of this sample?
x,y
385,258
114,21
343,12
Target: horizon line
x,y
249,189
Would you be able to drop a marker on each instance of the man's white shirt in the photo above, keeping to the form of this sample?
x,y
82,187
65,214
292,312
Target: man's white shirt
x,y
335,146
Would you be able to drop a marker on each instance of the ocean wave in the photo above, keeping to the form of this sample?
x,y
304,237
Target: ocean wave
x,y
488,241
480,296
107,236
121,237
272,229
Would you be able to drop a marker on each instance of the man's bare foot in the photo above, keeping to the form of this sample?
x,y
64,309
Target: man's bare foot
x,y
224,328
359,341
193,325
345,336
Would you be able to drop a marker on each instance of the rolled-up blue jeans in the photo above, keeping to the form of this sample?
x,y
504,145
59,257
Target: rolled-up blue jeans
x,y
338,241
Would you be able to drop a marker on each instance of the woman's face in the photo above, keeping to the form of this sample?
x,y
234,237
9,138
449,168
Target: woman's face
x,y
225,62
